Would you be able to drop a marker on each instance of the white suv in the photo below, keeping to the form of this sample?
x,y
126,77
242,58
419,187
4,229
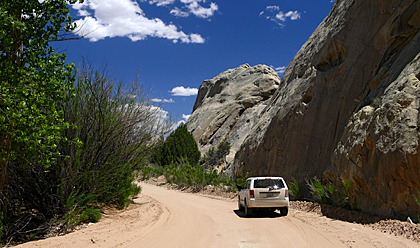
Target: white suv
x,y
264,193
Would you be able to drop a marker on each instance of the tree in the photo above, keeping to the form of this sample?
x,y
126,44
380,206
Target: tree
x,y
32,78
180,144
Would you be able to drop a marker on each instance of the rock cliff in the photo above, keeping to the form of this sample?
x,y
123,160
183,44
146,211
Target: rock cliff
x,y
346,107
363,53
227,106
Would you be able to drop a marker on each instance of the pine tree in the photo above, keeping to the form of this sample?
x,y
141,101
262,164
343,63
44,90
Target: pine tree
x,y
180,144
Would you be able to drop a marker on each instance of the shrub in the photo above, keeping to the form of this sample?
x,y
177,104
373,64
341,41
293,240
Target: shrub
x,y
294,189
215,157
90,215
113,130
376,103
179,145
240,181
320,193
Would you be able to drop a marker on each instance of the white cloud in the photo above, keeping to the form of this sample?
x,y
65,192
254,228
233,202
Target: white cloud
x,y
280,70
178,12
185,117
294,15
273,8
196,38
170,100
200,11
194,7
161,113
161,2
124,18
280,17
181,91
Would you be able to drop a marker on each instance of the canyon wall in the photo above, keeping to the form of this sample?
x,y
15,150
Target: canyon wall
x,y
346,108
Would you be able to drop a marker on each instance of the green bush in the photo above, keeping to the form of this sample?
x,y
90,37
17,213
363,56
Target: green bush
x,y
90,215
112,134
294,189
376,103
240,181
179,145
321,193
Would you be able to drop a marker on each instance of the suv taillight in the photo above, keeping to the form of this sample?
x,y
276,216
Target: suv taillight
x,y
286,194
251,193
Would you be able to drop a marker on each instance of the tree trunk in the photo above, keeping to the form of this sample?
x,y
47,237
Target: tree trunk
x,y
5,145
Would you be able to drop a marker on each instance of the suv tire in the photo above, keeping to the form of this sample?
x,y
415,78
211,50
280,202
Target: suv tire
x,y
284,211
248,211
240,207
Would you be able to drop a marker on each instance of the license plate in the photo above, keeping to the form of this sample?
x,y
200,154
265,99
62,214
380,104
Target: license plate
x,y
270,195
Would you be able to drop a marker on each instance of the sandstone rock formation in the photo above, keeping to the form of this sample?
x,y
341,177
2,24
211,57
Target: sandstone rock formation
x,y
347,107
363,53
228,106
379,150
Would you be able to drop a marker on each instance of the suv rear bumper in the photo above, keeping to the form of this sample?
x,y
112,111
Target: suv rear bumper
x,y
253,203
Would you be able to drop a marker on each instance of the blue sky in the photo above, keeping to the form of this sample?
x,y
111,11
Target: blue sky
x,y
174,45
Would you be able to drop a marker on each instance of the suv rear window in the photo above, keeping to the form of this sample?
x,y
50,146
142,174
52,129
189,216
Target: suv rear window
x,y
268,183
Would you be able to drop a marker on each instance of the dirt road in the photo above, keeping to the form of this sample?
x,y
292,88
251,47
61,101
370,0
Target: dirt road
x,y
168,218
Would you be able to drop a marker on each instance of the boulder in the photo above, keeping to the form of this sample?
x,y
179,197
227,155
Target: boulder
x,y
228,106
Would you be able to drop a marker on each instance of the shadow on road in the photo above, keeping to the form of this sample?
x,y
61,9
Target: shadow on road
x,y
258,214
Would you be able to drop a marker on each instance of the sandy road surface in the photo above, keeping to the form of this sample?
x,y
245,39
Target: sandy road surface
x,y
168,218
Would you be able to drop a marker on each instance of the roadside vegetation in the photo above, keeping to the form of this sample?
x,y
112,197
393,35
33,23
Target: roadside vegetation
x,y
337,194
178,159
417,199
71,139
184,174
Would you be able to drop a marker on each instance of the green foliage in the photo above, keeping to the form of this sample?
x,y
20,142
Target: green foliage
x,y
346,185
376,102
321,193
115,127
79,210
215,157
90,215
338,195
417,198
294,189
33,77
240,181
179,145
189,175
